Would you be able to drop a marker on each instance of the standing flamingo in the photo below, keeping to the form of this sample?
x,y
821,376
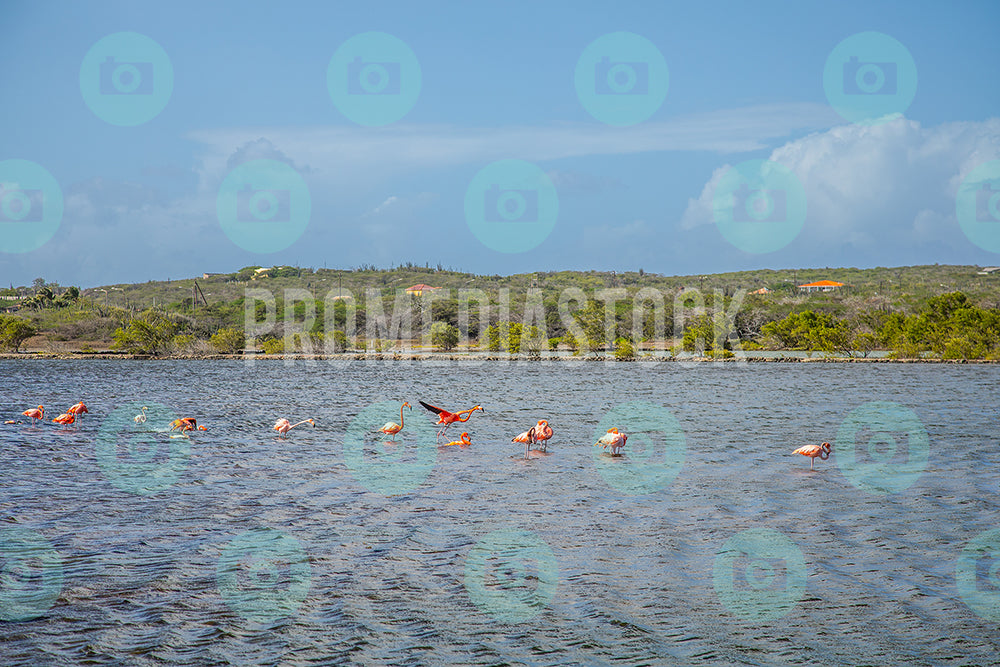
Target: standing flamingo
x,y
464,442
141,418
612,440
38,414
446,419
543,433
539,433
78,410
65,419
812,451
283,426
392,428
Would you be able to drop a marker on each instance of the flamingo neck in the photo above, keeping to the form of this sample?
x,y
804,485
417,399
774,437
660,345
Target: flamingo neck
x,y
401,417
824,454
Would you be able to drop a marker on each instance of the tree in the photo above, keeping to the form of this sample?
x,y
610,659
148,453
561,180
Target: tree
x,y
444,336
228,341
14,331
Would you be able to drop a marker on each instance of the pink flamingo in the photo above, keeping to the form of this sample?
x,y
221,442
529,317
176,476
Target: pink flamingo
x,y
464,442
65,419
78,410
392,428
283,426
539,433
38,414
446,419
612,440
812,451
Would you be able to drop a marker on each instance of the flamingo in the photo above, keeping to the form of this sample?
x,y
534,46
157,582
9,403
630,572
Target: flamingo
x,y
283,426
539,433
65,418
78,410
392,428
464,442
186,424
613,440
812,451
38,414
446,418
141,418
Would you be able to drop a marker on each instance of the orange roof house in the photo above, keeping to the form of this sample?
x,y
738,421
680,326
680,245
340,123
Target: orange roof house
x,y
821,286
418,290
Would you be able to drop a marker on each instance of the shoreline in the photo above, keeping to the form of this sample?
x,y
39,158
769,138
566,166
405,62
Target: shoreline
x,y
445,356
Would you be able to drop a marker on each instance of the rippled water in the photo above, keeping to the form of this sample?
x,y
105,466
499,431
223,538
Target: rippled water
x,y
708,542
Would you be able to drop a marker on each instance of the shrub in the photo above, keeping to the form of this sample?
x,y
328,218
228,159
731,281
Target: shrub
x,y
624,350
228,341
444,336
274,345
14,331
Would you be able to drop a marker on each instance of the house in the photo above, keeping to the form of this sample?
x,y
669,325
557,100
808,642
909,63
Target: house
x,y
821,286
418,290
987,270
762,290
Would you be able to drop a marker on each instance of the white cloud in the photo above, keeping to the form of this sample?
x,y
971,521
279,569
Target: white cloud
x,y
869,185
347,152
381,208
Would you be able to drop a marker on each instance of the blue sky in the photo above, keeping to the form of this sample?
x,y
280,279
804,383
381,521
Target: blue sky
x,y
745,82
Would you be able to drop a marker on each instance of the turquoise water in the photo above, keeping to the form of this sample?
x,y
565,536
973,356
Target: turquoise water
x,y
708,542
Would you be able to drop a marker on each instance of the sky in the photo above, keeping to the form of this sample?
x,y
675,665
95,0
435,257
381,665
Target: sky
x,y
149,141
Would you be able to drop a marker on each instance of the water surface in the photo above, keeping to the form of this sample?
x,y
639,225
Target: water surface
x,y
235,546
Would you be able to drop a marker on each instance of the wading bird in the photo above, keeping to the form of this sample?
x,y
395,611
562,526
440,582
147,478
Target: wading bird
x,y
812,451
141,418
446,419
78,410
612,440
464,442
392,428
35,413
283,426
539,433
186,424
65,419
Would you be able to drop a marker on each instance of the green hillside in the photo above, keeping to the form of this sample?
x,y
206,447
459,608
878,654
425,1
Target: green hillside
x,y
184,315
